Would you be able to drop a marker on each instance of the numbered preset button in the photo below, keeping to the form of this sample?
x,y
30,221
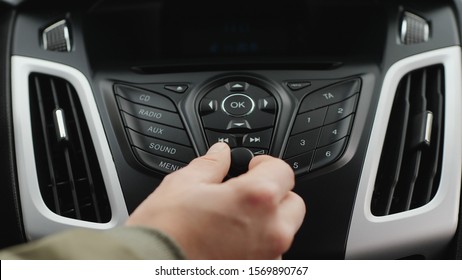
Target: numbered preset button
x,y
333,132
340,110
302,143
328,154
301,163
309,120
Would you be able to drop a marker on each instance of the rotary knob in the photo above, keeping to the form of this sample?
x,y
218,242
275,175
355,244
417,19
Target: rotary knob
x,y
240,158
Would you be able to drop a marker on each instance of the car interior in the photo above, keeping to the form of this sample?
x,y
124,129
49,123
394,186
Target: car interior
x,y
100,99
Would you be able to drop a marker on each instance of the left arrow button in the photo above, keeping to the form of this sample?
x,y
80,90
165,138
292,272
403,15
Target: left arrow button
x,y
208,106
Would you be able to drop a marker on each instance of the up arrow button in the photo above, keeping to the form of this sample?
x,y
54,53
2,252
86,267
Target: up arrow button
x,y
237,86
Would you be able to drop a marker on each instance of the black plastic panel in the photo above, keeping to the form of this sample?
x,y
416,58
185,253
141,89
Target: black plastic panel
x,y
13,232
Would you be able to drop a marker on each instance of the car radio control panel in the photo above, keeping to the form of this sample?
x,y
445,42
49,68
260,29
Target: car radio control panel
x,y
243,113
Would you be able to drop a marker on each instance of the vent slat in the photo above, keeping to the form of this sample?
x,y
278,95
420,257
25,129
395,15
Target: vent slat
x,y
418,103
396,137
46,142
436,94
88,174
70,176
68,171
71,184
414,138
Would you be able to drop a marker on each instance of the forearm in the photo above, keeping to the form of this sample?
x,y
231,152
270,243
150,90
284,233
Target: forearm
x,y
119,243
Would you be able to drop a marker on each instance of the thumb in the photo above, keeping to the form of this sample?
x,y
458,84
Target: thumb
x,y
209,168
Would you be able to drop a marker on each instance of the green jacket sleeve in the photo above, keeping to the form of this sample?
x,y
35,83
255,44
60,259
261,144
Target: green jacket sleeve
x,y
119,243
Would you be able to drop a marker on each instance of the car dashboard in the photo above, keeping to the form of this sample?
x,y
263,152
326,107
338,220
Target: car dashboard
x,y
101,99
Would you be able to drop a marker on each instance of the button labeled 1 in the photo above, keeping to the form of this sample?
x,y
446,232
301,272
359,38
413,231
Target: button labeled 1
x,y
309,120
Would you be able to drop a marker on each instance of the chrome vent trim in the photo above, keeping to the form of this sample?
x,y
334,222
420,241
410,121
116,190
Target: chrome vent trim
x,y
428,229
39,220
410,164
67,168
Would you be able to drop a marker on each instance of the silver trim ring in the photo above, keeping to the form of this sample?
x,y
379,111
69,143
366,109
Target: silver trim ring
x,y
238,115
39,220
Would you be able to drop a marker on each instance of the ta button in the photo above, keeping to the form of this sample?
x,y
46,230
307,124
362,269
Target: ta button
x,y
238,105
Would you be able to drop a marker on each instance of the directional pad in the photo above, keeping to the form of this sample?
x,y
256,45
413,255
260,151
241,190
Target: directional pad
x,y
240,114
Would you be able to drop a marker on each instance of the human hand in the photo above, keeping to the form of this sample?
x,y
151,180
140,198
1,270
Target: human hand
x,y
253,216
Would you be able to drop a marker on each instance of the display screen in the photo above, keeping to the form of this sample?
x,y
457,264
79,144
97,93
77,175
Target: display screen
x,y
173,32
237,30
235,37
287,28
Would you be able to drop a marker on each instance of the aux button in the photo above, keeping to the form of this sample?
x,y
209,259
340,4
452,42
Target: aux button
x,y
238,105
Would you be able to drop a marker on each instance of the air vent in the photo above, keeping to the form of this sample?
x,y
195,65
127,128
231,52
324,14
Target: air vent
x,y
410,165
68,172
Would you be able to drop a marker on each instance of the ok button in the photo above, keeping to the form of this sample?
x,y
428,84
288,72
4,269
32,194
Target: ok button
x,y
238,105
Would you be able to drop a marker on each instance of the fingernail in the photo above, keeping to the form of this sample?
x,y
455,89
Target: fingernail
x,y
217,147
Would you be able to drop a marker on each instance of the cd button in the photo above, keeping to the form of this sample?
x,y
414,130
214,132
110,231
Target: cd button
x,y
144,97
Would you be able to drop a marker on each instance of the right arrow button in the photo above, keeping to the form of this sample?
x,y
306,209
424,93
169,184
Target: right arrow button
x,y
267,104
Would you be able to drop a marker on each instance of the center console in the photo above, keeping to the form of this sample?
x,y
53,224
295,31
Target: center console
x,y
306,122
